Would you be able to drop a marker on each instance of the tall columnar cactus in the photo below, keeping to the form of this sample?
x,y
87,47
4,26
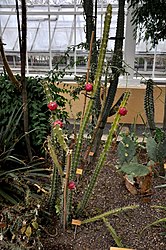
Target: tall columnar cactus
x,y
95,88
56,130
102,158
56,136
149,104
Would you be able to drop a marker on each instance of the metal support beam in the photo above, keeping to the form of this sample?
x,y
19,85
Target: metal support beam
x,y
130,44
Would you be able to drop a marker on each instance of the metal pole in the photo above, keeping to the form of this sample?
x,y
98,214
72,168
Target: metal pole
x,y
130,44
49,34
154,62
27,64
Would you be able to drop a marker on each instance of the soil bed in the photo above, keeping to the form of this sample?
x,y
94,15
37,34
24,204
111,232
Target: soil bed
x,y
111,193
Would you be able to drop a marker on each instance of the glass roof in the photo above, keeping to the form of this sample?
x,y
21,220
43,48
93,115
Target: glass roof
x,y
59,16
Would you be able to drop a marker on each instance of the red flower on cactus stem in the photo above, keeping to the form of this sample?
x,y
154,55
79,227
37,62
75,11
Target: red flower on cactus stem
x,y
71,185
123,111
88,87
58,122
52,106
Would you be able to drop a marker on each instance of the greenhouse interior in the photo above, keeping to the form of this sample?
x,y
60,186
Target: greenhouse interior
x,y
83,124
54,26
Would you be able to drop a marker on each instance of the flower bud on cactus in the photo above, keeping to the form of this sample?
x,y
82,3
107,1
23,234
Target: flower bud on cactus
x,y
71,185
52,106
123,111
88,87
58,122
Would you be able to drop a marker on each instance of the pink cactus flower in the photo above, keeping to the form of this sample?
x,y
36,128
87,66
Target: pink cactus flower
x,y
71,185
58,122
52,106
123,111
88,87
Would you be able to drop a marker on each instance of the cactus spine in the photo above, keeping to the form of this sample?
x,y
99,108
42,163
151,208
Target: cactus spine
x,y
102,159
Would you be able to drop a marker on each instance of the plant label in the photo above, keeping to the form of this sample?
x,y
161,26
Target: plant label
x,y
79,171
165,166
117,248
76,222
91,153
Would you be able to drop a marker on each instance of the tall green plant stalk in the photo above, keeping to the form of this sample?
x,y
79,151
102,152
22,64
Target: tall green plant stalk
x,y
116,65
102,159
106,214
112,231
23,80
96,85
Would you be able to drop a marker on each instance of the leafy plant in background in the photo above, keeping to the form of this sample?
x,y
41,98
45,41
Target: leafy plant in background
x,y
156,148
38,112
17,177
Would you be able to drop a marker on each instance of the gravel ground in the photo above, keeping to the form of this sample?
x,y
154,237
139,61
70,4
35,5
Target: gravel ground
x,y
111,193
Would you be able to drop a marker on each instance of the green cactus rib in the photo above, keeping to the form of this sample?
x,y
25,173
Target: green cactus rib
x,y
57,131
47,91
106,214
53,193
149,104
102,158
54,157
96,86
113,233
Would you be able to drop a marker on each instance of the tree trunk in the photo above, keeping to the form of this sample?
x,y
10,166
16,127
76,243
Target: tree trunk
x,y
23,80
88,10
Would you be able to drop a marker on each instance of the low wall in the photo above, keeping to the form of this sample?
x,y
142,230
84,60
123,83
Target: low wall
x,y
135,104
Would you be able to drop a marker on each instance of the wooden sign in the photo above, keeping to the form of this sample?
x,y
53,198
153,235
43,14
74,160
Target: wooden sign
x,y
79,171
76,222
91,153
117,248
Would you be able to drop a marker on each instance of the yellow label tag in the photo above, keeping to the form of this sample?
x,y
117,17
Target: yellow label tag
x,y
76,222
164,165
91,153
79,171
117,248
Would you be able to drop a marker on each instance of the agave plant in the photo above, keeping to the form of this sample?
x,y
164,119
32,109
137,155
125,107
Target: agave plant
x,y
15,174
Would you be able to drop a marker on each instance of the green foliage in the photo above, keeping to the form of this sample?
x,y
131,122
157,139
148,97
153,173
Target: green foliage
x,y
150,17
156,147
39,125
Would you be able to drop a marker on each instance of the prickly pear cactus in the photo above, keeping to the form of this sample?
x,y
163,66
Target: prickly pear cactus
x,y
151,146
149,104
126,150
135,169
